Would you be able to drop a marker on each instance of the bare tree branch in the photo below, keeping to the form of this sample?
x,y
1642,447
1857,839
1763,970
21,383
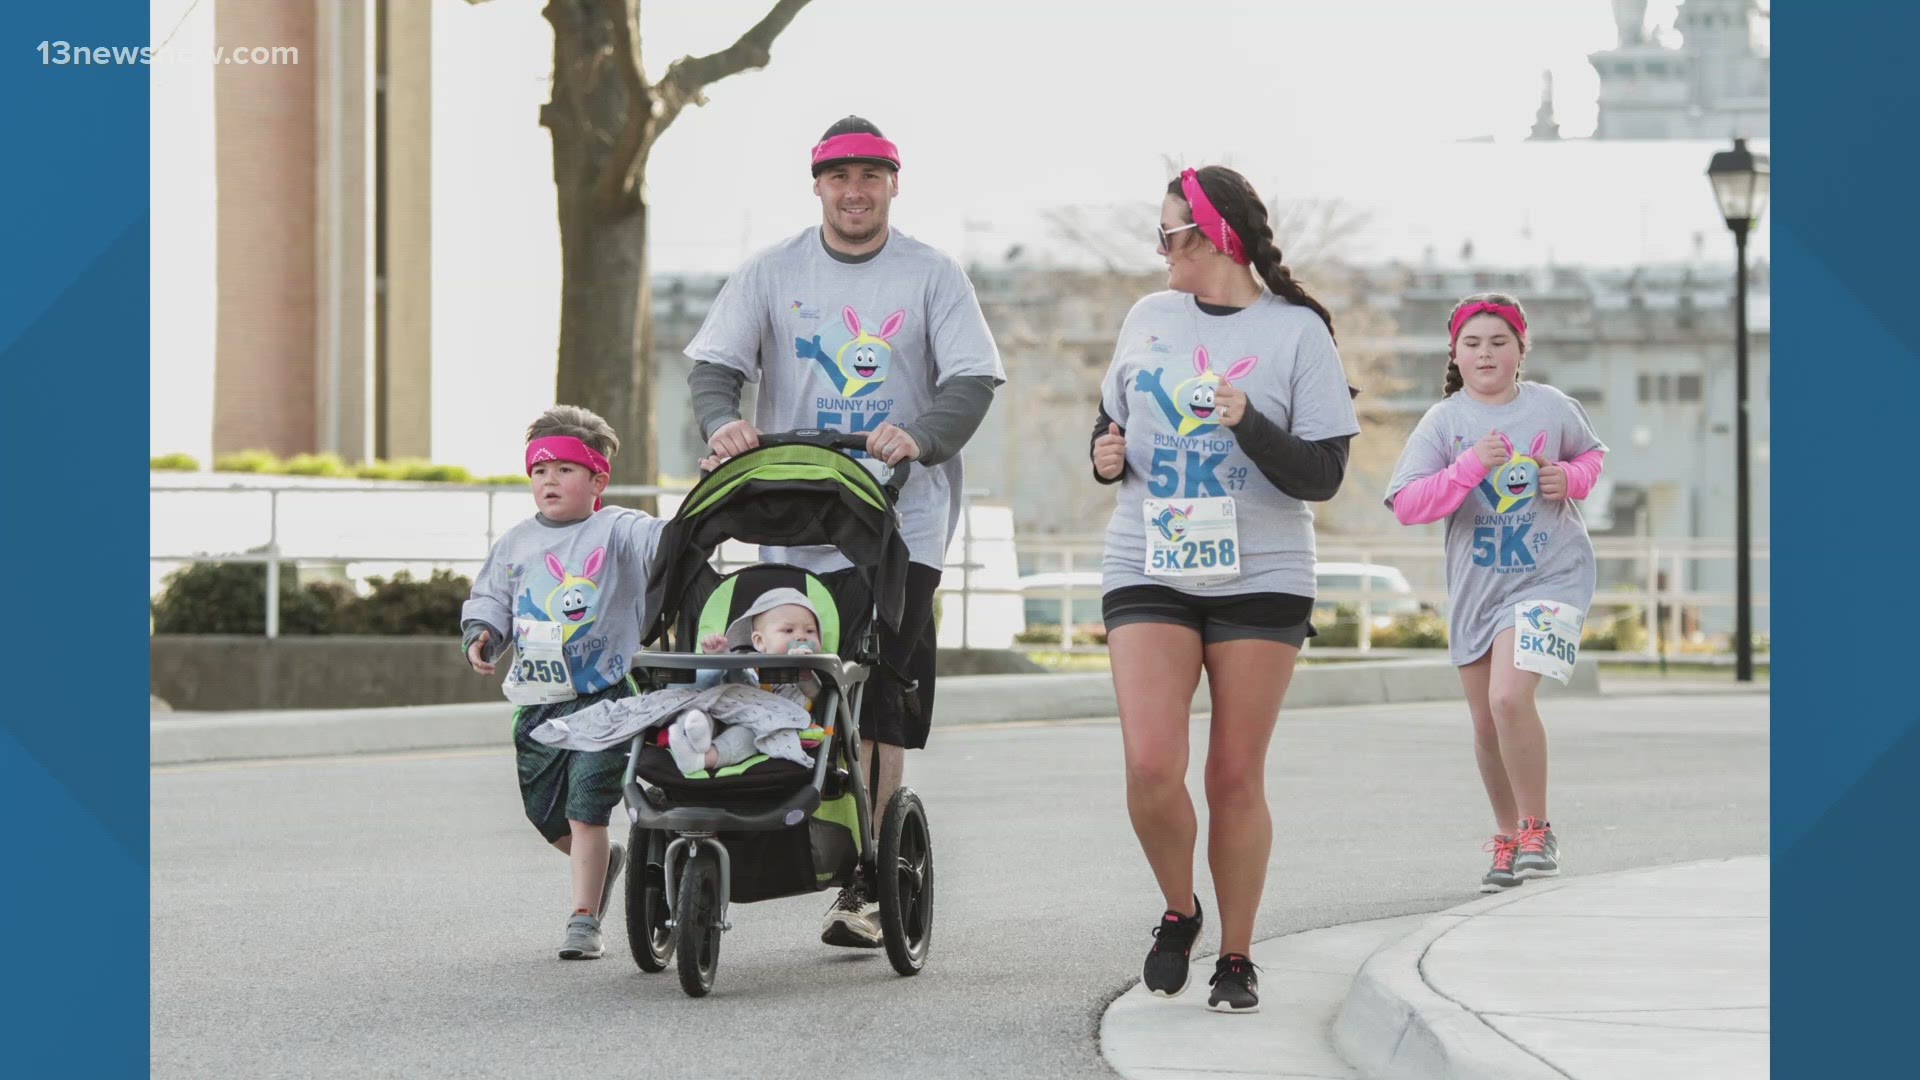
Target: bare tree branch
x,y
652,107
689,75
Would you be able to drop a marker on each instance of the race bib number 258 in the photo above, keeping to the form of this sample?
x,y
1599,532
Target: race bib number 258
x,y
1192,538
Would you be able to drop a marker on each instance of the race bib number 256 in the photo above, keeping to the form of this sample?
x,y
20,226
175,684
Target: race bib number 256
x,y
1546,637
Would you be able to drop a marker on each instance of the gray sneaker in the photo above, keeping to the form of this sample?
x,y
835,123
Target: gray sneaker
x,y
853,921
1500,876
1539,852
583,939
616,859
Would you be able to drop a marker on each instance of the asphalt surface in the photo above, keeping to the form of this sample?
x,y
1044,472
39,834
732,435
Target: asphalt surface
x,y
397,917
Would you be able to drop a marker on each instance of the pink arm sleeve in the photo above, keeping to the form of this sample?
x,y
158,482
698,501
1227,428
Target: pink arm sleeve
x,y
1581,473
1431,498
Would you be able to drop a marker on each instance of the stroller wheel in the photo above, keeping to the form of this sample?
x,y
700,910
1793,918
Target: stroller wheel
x,y
696,920
648,934
905,878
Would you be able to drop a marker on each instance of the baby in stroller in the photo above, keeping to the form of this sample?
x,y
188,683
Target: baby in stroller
x,y
781,622
725,717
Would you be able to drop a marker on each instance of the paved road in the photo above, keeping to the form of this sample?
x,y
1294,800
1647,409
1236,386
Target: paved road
x,y
396,917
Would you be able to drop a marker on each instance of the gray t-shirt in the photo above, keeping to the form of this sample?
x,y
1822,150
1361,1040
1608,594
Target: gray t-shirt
x,y
1505,544
848,346
589,575
1157,390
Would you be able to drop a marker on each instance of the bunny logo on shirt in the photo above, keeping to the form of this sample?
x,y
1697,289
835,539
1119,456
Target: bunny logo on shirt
x,y
857,362
1514,484
574,600
1191,408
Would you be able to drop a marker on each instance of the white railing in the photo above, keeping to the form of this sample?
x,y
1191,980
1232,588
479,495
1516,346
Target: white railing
x,y
1655,558
450,543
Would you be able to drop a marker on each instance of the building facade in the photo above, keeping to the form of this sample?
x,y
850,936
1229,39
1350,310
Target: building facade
x,y
1715,85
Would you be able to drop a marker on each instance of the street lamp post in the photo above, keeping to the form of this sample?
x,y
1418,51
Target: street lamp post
x,y
1740,178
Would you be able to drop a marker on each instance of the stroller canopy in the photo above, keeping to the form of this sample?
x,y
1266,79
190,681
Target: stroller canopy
x,y
790,495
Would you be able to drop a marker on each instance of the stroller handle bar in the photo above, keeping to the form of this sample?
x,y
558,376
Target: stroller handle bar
x,y
832,440
838,440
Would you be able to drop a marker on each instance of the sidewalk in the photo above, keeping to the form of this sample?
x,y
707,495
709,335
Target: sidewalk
x,y
1645,974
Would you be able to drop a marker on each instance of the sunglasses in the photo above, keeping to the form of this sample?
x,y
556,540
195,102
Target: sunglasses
x,y
1167,235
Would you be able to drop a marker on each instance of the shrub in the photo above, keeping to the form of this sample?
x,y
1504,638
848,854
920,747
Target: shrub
x,y
230,598
315,465
376,470
247,461
1622,633
423,470
1426,630
404,606
173,463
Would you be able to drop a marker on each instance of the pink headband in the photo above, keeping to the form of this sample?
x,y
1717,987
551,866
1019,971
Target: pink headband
x,y
1505,311
1211,223
566,448
854,144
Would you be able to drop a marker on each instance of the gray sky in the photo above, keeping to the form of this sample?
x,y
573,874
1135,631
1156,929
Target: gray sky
x,y
1002,107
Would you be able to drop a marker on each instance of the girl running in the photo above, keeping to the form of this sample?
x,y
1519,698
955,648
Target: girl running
x,y
1506,462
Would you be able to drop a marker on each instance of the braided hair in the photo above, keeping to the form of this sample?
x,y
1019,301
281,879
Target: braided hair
x,y
1454,381
1240,205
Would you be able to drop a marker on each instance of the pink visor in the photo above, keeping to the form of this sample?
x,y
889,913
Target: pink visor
x,y
566,448
1211,223
855,146
1505,311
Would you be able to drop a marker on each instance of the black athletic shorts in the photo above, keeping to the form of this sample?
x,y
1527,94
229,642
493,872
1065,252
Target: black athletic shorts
x,y
1266,616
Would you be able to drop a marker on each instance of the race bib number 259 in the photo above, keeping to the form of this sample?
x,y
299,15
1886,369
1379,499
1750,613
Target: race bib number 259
x,y
539,675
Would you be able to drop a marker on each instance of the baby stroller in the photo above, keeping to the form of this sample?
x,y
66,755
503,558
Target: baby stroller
x,y
770,828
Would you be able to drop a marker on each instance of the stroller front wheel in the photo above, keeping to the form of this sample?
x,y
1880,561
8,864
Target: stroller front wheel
x,y
696,923
905,876
648,935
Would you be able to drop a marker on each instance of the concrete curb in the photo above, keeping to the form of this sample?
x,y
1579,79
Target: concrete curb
x,y
1393,1025
180,738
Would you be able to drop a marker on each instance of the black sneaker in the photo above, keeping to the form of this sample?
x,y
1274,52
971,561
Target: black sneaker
x,y
1166,970
1236,985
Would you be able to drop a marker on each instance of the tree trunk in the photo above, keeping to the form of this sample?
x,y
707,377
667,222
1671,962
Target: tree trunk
x,y
605,310
604,117
606,332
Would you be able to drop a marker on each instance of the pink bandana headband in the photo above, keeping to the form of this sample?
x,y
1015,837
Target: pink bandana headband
x,y
1505,311
1211,223
855,144
566,448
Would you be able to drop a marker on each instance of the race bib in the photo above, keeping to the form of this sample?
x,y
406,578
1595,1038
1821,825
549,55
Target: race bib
x,y
1192,539
539,675
1546,637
